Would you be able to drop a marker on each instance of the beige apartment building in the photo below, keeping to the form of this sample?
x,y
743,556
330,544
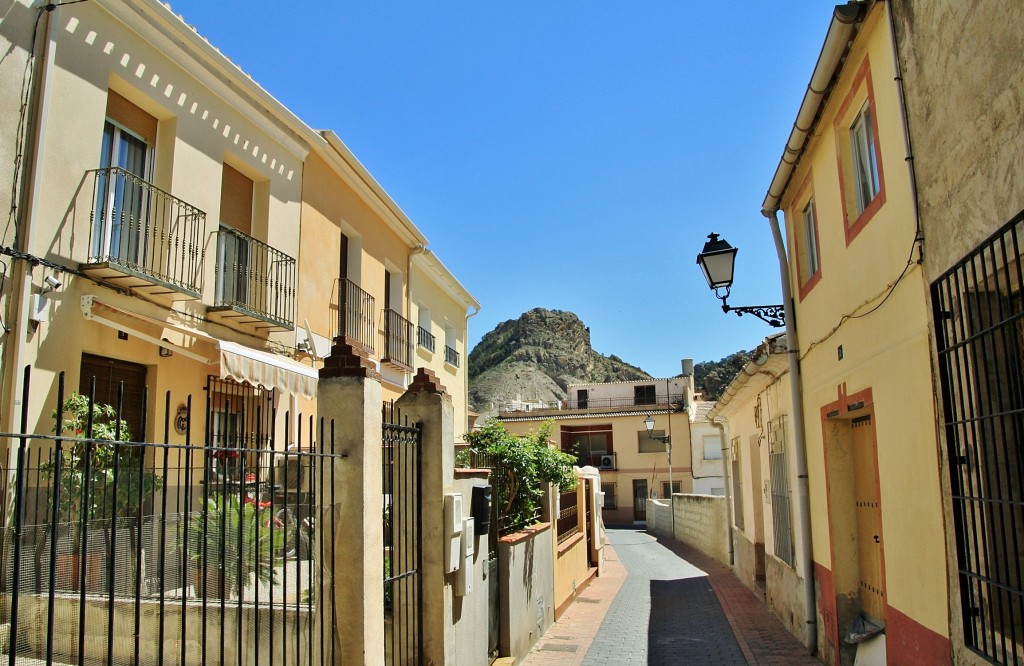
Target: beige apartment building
x,y
175,227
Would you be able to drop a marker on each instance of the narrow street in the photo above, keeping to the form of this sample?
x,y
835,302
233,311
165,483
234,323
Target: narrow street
x,y
664,603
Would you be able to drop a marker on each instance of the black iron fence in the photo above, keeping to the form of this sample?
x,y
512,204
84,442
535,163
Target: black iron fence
x,y
141,228
978,311
255,278
402,514
121,551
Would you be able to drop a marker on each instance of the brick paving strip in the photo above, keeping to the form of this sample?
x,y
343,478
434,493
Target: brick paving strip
x,y
761,636
566,642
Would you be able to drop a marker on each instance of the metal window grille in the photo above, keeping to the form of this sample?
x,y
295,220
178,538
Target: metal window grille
x,y
737,485
568,521
979,315
609,495
782,525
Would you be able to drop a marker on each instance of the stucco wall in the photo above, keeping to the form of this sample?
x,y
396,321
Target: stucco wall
x,y
526,580
659,517
784,595
964,107
470,612
964,103
701,523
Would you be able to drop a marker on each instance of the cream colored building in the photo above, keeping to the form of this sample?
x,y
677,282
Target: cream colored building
x,y
861,307
203,237
756,411
603,424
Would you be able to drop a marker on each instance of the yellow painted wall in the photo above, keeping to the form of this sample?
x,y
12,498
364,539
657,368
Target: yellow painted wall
x,y
886,351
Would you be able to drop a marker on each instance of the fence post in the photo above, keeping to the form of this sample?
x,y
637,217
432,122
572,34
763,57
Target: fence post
x,y
427,403
349,498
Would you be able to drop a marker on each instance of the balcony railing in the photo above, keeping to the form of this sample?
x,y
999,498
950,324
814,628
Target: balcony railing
x,y
142,237
355,314
451,357
397,341
592,404
254,281
425,339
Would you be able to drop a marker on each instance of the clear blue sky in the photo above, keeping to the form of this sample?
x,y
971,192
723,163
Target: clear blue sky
x,y
568,155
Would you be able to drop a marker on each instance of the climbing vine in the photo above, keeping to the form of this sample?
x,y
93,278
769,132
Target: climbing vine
x,y
522,465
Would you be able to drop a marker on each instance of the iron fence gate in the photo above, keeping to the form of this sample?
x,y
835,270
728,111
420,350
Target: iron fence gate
x,y
402,513
117,550
978,309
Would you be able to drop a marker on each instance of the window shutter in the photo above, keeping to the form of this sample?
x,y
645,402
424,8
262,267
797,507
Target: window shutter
x,y
131,117
236,200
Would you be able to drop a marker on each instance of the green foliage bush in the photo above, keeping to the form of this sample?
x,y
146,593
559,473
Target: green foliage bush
x,y
522,465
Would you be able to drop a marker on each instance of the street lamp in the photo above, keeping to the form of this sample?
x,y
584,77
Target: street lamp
x,y
717,261
667,439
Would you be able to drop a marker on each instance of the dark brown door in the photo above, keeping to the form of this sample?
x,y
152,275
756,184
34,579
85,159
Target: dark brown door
x,y
109,373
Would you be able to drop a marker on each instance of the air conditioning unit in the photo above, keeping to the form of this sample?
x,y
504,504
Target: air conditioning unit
x,y
607,461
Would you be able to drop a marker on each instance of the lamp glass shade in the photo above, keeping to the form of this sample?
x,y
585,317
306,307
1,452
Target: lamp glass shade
x,y
649,424
717,262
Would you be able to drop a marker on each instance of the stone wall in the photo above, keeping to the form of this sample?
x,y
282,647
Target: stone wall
x,y
659,517
701,522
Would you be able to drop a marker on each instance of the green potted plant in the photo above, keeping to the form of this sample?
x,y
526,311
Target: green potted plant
x,y
234,538
90,495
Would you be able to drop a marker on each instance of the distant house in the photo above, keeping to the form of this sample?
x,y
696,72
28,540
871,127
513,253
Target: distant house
x,y
603,425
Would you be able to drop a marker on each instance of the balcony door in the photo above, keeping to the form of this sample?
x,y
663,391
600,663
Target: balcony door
x,y
120,230
234,250
121,196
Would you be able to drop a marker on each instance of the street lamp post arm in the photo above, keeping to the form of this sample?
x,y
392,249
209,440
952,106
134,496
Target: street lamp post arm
x,y
773,315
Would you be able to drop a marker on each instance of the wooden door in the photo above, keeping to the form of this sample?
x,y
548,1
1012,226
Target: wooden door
x,y
869,524
639,499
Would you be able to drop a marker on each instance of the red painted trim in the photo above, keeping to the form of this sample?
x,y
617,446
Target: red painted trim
x,y
909,642
798,238
842,405
853,228
827,607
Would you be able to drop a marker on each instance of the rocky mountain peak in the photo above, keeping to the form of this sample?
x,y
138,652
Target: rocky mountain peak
x,y
535,357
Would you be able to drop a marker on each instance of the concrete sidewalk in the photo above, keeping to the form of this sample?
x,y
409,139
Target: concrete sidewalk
x,y
661,602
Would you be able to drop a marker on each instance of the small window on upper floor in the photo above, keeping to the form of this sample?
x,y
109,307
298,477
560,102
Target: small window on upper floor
x,y
861,176
808,253
865,159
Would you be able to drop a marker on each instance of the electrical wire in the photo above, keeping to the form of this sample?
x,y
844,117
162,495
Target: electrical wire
x,y
889,289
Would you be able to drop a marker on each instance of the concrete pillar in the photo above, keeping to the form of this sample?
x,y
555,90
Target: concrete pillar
x,y
426,403
349,502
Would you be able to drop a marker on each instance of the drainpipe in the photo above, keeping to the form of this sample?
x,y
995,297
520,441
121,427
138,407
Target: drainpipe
x,y
728,486
796,388
28,198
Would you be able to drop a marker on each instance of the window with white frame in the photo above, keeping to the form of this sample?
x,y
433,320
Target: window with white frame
x,y
712,447
865,159
809,249
609,495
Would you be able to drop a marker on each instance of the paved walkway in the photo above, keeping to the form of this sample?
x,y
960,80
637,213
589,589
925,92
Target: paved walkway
x,y
661,602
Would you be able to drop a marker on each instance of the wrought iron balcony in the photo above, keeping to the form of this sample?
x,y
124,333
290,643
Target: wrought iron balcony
x,y
398,337
451,357
425,339
255,283
143,238
676,401
355,315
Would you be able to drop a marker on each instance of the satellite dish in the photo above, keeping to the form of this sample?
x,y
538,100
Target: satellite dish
x,y
313,344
